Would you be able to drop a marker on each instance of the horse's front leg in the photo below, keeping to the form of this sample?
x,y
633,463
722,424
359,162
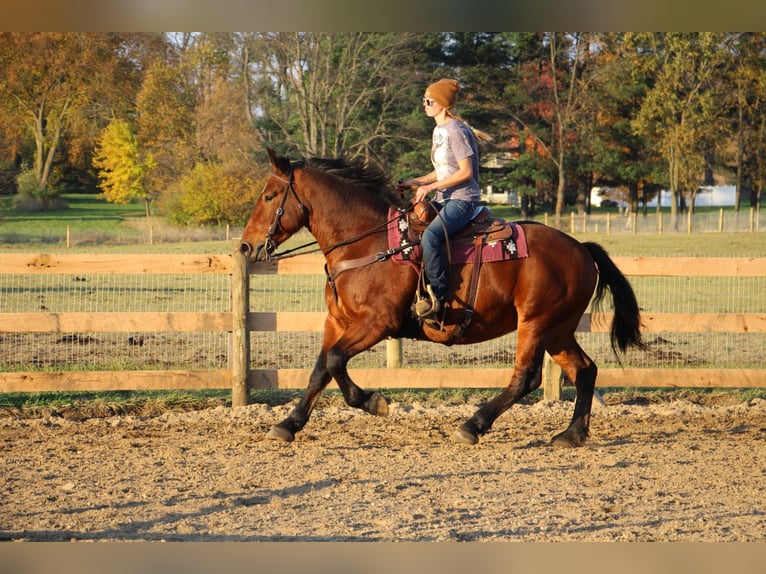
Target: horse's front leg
x,y
299,416
339,345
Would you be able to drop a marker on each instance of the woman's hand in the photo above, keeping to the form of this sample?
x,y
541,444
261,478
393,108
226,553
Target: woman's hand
x,y
422,192
406,184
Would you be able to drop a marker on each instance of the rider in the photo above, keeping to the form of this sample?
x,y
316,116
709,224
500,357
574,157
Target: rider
x,y
455,179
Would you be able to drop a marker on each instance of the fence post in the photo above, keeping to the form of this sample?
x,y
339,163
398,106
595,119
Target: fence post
x,y
393,353
240,336
551,379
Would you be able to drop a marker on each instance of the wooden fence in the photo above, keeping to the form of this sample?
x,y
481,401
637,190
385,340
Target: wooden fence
x,y
238,322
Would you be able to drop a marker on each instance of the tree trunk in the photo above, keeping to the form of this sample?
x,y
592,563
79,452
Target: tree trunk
x,y
740,157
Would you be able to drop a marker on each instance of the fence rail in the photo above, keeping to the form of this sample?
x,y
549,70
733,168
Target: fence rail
x,y
239,321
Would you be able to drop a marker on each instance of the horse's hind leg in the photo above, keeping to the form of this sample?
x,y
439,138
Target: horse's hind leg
x,y
527,376
581,369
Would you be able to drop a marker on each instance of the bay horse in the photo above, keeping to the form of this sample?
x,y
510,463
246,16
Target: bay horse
x,y
345,206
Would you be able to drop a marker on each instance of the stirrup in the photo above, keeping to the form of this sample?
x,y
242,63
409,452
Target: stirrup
x,y
426,307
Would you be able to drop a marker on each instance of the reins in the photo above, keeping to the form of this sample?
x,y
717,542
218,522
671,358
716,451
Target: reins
x,y
294,252
291,252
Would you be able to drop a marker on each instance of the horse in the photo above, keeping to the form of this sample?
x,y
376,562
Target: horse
x,y
345,205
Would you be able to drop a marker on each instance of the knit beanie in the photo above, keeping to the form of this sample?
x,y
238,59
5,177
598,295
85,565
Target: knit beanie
x,y
444,92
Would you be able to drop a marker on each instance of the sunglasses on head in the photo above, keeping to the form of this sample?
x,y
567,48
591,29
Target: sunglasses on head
x,y
428,102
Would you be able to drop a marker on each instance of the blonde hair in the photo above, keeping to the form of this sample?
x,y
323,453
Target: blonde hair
x,y
480,134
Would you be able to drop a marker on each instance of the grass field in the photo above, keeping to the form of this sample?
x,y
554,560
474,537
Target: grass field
x,y
96,225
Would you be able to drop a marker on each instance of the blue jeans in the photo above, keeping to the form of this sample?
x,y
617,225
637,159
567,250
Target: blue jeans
x,y
454,215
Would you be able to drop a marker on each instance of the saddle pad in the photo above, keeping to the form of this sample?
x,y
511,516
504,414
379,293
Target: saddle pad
x,y
515,247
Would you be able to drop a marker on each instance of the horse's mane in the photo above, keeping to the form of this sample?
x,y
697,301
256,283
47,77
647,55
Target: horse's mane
x,y
362,175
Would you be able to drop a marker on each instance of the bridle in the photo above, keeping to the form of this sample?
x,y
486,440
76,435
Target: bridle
x,y
269,244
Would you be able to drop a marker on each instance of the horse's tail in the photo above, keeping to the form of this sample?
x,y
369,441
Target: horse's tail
x,y
626,324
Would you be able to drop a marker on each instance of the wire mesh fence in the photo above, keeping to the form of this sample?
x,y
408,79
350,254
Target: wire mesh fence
x,y
279,350
112,293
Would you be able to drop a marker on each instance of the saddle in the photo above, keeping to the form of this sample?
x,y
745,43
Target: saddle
x,y
482,224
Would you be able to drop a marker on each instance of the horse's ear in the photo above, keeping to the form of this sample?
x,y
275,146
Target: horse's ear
x,y
279,165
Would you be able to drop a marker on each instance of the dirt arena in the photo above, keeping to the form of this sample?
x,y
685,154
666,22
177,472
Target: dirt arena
x,y
654,470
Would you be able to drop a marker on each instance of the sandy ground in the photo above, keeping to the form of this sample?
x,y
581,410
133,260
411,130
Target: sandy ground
x,y
652,471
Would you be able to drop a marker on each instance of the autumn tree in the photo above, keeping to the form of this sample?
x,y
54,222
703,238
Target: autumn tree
x,y
122,169
51,82
610,153
567,55
205,122
165,112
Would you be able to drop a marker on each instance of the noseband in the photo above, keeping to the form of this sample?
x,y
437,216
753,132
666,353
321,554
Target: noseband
x,y
269,245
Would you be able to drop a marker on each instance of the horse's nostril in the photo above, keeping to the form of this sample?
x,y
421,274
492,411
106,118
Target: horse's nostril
x,y
245,248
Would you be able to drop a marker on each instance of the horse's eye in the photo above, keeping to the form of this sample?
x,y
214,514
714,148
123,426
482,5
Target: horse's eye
x,y
268,198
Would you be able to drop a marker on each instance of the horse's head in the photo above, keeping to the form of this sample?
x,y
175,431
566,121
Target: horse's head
x,y
277,214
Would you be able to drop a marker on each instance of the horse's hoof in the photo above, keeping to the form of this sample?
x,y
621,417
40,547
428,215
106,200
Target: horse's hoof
x,y
376,405
465,436
281,434
567,439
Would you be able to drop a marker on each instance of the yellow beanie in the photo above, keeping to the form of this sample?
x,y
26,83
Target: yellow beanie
x,y
444,92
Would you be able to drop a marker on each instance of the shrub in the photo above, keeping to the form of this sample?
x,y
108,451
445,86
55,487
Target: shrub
x,y
33,197
213,193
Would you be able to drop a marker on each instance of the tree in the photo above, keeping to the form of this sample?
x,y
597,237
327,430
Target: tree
x,y
746,74
681,112
212,194
335,93
566,101
50,80
166,130
531,171
122,169
610,153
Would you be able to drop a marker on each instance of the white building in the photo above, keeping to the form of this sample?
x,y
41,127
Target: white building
x,y
491,196
710,196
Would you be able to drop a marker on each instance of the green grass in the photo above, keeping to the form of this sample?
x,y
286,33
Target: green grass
x,y
85,214
80,406
104,404
96,223
726,244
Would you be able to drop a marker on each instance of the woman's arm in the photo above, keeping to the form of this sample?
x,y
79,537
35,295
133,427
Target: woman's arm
x,y
463,174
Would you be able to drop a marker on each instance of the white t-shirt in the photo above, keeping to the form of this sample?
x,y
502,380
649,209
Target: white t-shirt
x,y
451,142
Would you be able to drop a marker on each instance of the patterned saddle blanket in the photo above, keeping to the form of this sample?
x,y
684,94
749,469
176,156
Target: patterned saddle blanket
x,y
498,240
